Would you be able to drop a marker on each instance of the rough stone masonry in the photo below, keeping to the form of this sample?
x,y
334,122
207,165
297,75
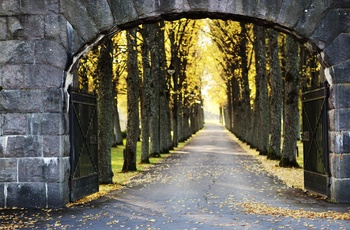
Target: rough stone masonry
x,y
41,41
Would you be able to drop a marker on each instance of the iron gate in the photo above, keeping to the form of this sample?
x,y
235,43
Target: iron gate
x,y
83,139
315,141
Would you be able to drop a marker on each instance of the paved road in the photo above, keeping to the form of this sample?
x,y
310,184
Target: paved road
x,y
211,183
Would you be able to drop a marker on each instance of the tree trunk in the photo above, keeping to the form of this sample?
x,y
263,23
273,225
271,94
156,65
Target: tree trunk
x,y
105,112
145,94
263,99
165,123
245,82
155,93
291,113
132,104
118,137
276,96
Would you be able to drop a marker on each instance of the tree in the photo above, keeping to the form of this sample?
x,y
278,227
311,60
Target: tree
x,y
276,96
147,35
291,113
262,99
132,103
105,111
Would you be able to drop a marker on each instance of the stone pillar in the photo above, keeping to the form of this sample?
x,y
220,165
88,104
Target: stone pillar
x,y
34,139
340,133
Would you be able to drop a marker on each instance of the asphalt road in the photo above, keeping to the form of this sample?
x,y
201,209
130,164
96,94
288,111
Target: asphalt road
x,y
212,183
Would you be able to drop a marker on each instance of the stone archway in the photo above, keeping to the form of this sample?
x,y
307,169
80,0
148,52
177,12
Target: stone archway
x,y
41,41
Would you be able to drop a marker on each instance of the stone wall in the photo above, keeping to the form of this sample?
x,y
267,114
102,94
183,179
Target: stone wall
x,y
41,40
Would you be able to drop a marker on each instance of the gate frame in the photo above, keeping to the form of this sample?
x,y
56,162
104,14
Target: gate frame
x,y
308,96
82,186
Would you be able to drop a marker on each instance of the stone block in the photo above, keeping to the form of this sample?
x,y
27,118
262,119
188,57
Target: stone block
x,y
340,163
12,76
55,27
341,94
314,11
15,26
17,52
336,120
268,9
47,124
340,190
341,4
291,12
10,7
52,100
23,146
340,72
3,29
21,101
84,25
54,6
8,170
336,21
124,11
338,51
29,195
42,76
339,142
100,12
15,124
38,170
34,7
34,26
56,146
51,53
58,194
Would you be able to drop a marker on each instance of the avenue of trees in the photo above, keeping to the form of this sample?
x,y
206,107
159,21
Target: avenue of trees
x,y
159,71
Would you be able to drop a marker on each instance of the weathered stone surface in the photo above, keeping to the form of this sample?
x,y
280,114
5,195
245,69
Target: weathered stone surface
x,y
52,100
84,25
8,170
313,13
341,95
10,7
100,12
338,51
31,195
12,77
56,146
340,72
57,194
340,3
340,163
268,9
34,7
15,124
291,12
3,29
123,11
38,170
47,124
340,190
43,76
55,27
336,21
51,53
34,26
15,27
341,117
23,146
17,52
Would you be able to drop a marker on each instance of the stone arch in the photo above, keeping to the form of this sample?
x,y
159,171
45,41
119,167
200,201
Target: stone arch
x,y
41,43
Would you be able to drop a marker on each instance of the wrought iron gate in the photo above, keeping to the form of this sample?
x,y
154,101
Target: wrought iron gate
x,y
83,139
315,141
